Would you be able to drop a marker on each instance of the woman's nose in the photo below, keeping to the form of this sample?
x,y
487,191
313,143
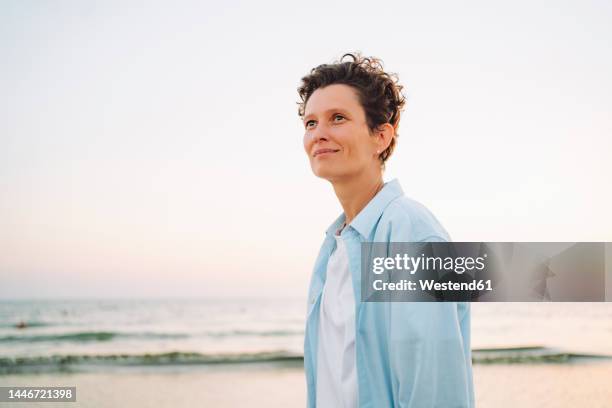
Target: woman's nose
x,y
319,134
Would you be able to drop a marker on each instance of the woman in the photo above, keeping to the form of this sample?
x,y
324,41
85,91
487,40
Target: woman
x,y
366,354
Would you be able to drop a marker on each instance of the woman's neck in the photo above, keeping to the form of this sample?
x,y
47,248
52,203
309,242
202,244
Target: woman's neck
x,y
354,194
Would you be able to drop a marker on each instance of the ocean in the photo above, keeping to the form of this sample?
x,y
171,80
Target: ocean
x,y
47,336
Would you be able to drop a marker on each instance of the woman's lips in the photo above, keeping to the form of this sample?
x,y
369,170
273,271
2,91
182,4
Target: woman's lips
x,y
325,151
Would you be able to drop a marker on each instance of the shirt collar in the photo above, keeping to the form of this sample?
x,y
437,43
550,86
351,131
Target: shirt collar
x,y
367,218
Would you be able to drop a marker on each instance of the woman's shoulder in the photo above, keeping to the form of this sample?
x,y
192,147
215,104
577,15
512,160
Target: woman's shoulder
x,y
408,220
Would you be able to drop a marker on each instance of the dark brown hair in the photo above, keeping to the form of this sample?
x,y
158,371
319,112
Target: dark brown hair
x,y
379,92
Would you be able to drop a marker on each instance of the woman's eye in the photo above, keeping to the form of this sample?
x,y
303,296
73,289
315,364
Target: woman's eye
x,y
338,116
310,122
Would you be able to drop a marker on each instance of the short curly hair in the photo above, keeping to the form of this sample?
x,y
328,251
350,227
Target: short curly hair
x,y
379,92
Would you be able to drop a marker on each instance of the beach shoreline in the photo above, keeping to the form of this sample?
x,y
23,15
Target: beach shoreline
x,y
576,384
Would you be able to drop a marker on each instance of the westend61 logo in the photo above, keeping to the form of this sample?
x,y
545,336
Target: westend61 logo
x,y
412,264
486,271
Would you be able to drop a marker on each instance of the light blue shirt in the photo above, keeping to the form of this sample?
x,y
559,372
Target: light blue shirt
x,y
408,354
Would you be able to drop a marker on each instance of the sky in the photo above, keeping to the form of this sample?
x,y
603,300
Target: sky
x,y
154,149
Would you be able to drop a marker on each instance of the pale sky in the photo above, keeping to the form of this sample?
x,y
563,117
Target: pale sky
x,y
154,149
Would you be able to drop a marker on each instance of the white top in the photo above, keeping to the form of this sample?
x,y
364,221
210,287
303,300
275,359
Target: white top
x,y
336,372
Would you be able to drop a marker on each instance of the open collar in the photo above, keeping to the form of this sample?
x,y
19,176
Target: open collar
x,y
367,218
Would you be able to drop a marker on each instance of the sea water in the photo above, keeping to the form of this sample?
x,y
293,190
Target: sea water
x,y
50,335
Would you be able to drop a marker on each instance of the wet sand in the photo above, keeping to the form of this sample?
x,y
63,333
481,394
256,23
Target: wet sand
x,y
584,384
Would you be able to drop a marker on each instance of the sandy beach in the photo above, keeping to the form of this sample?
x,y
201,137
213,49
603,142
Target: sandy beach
x,y
584,384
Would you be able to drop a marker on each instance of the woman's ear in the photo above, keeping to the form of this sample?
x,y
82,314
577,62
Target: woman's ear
x,y
384,134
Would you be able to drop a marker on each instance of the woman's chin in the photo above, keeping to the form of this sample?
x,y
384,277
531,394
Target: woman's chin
x,y
322,171
327,173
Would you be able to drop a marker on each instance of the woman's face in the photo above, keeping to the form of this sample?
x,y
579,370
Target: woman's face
x,y
337,139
